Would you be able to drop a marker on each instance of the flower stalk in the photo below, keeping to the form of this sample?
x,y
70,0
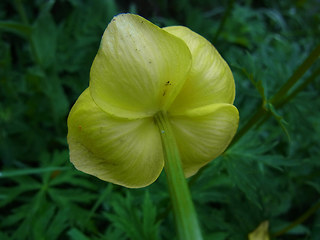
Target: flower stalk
x,y
281,97
185,216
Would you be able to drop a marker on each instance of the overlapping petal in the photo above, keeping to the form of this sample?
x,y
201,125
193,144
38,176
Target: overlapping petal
x,y
202,134
125,152
210,79
139,68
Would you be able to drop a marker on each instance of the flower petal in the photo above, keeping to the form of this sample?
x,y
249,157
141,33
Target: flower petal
x,y
125,152
139,68
210,79
203,134
261,232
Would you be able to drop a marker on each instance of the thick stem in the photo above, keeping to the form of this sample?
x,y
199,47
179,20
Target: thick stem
x,y
185,216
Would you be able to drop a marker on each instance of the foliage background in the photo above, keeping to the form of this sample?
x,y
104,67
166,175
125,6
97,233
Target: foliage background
x,y
271,172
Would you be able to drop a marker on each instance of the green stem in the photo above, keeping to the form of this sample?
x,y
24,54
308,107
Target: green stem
x,y
20,8
298,221
281,95
292,95
21,11
309,80
185,216
313,56
224,19
278,100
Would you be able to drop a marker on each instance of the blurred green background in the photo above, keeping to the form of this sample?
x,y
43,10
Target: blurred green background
x,y
271,172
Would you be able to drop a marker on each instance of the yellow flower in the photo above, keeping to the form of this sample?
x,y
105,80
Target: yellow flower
x,y
261,232
139,70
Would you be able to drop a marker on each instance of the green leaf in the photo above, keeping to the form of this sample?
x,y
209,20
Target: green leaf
x,y
20,29
245,177
4,236
57,224
75,234
279,119
44,39
20,172
136,224
217,236
102,197
150,224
